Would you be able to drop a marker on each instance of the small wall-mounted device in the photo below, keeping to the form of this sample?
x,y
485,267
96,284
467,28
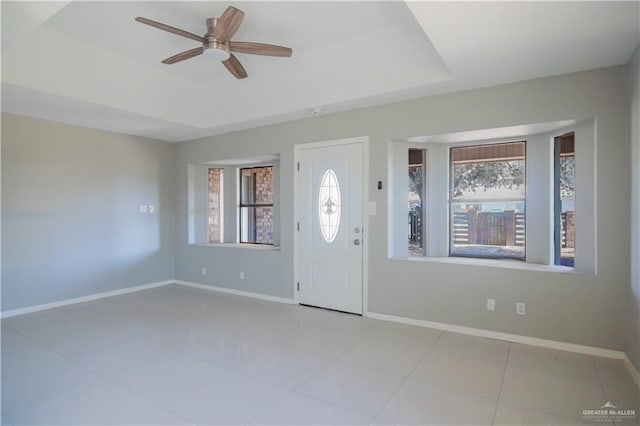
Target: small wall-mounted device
x,y
379,184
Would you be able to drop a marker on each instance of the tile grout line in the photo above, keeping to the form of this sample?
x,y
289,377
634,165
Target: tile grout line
x,y
404,380
334,361
295,390
85,370
329,403
289,391
259,342
593,363
106,379
604,393
245,374
539,411
504,373
266,409
314,375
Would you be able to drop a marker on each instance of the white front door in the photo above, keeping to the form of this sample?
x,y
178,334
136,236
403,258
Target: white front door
x,y
330,243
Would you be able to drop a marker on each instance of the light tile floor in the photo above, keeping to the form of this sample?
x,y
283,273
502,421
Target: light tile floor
x,y
176,355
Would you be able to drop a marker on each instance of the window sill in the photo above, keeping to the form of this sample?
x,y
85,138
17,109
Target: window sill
x,y
494,263
259,247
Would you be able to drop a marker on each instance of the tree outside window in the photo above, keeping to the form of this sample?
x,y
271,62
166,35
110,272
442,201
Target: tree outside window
x,y
487,201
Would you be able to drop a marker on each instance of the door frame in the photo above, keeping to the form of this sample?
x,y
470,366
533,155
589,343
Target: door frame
x,y
361,140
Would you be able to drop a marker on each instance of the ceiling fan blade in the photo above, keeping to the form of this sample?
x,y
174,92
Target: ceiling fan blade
x,y
235,67
228,23
183,55
170,29
259,49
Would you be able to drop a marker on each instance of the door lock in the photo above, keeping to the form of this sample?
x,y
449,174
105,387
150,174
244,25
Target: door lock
x,y
356,242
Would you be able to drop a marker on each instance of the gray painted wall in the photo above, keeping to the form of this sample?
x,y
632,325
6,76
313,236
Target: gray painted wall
x,y
579,308
70,211
71,225
632,346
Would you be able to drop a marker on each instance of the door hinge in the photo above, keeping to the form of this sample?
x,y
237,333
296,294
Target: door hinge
x,y
298,166
298,286
298,226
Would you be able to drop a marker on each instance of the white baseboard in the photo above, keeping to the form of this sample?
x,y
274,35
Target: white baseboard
x,y
66,302
45,306
632,370
236,292
533,341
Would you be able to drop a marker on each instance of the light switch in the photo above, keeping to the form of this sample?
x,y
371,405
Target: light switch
x,y
152,209
143,208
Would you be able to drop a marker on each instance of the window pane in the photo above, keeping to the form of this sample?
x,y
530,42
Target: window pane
x,y
257,185
488,180
488,229
214,222
256,225
488,201
256,205
329,205
565,200
416,195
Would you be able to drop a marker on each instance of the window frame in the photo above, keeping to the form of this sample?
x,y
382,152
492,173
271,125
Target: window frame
x,y
242,205
451,200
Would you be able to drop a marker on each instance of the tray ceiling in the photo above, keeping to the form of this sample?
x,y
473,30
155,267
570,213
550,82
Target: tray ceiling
x,y
91,64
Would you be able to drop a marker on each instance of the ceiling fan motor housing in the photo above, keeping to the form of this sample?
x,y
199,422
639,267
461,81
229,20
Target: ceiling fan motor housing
x,y
211,45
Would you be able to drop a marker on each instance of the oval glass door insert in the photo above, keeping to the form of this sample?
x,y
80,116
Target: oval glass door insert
x,y
329,205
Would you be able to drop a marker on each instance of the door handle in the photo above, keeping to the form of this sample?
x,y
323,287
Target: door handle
x,y
356,242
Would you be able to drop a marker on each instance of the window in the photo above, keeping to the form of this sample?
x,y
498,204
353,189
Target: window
x,y
510,194
415,198
329,205
215,207
236,200
487,201
564,199
256,205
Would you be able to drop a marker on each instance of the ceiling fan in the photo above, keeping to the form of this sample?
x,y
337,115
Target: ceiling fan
x,y
217,42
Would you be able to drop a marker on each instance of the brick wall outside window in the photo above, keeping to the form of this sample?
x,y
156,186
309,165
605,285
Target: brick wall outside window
x,y
214,223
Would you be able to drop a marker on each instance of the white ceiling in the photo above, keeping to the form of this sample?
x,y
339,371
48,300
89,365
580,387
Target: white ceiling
x,y
91,64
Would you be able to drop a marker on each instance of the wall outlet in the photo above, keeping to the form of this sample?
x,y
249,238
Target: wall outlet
x,y
204,271
242,275
491,305
520,308
143,208
152,209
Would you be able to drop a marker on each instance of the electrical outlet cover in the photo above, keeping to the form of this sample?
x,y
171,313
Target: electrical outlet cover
x,y
491,305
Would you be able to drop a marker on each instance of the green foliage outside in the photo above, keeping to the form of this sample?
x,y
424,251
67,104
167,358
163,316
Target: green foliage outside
x,y
474,177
